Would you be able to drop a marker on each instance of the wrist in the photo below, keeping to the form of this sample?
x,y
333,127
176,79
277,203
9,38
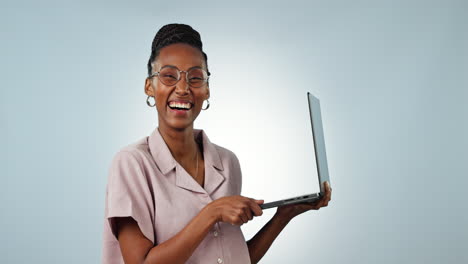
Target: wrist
x,y
282,218
211,212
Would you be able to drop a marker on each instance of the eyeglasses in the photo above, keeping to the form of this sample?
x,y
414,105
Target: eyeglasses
x,y
170,76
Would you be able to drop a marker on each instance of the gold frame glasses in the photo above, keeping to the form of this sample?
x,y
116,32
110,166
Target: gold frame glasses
x,y
173,75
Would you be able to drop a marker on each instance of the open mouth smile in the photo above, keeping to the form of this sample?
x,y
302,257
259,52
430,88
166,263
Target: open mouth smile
x,y
180,105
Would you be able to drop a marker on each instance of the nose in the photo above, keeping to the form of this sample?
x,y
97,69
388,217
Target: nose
x,y
182,87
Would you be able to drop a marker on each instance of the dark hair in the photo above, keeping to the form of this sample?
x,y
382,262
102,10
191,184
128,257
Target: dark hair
x,y
175,33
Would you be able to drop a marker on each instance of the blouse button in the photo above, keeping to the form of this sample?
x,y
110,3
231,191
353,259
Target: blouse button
x,y
220,260
215,233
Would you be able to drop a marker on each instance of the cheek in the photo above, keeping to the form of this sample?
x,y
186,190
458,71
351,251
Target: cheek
x,y
161,99
203,94
161,104
201,100
160,93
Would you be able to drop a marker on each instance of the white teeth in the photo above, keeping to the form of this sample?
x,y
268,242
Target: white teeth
x,y
180,105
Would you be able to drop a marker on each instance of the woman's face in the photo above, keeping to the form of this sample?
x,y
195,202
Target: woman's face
x,y
184,57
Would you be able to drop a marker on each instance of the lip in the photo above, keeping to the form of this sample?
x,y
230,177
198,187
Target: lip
x,y
179,112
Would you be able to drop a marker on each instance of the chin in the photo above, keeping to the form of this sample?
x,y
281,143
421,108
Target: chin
x,y
179,125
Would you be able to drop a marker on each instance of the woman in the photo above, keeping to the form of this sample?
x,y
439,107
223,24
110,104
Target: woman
x,y
174,197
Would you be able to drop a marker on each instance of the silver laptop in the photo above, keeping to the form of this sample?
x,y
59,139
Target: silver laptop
x,y
320,157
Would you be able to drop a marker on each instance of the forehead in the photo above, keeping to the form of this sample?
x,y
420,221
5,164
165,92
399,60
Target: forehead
x,y
181,55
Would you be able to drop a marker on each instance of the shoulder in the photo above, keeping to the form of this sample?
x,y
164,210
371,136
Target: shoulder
x,y
131,158
225,154
137,150
228,158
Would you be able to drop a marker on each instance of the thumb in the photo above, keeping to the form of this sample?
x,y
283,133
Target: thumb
x,y
259,201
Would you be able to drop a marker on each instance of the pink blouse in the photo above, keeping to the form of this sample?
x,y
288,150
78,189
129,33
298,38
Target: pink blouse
x,y
146,183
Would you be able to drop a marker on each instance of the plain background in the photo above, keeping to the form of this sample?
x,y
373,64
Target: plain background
x,y
392,80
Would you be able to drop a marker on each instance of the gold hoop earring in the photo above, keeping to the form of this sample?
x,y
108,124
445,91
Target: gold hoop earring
x,y
207,106
148,103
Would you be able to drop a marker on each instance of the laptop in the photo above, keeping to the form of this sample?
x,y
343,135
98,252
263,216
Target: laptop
x,y
320,157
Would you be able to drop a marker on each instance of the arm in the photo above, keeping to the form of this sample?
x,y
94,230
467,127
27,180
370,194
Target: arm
x,y
137,249
262,241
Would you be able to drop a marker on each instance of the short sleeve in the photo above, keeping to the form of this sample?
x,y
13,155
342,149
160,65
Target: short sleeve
x,y
129,194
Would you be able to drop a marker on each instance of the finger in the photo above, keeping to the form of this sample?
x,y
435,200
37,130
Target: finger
x,y
255,207
329,195
248,213
318,205
309,206
306,207
243,217
324,203
326,200
245,207
313,204
320,201
327,187
238,221
258,201
326,197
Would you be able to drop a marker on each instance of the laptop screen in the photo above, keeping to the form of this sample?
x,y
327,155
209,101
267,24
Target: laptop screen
x,y
319,141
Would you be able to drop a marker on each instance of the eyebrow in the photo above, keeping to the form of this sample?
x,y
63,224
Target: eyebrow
x,y
172,66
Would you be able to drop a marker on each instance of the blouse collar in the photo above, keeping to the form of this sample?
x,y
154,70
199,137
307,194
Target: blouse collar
x,y
166,162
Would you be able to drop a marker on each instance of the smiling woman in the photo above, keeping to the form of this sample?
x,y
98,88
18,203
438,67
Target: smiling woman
x,y
178,100
173,196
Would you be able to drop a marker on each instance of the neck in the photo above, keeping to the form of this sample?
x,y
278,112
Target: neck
x,y
181,143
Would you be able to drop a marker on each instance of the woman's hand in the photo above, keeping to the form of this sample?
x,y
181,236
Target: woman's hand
x,y
288,212
236,210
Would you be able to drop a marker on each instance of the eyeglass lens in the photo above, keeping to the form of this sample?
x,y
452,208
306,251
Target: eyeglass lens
x,y
170,76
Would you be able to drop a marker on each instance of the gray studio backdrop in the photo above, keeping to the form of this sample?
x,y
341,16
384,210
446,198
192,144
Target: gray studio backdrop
x,y
391,77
